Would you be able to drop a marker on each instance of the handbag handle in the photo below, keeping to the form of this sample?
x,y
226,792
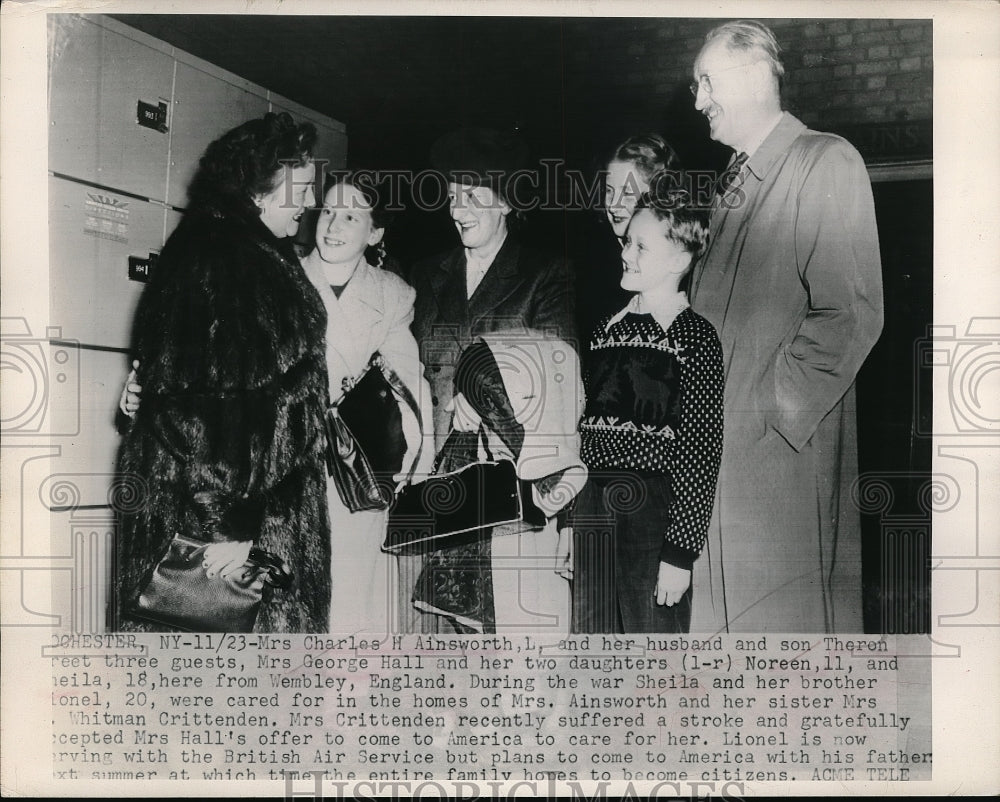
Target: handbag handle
x,y
278,574
480,436
485,443
398,387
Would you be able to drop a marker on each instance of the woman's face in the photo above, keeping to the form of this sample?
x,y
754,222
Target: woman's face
x,y
344,227
649,259
282,207
623,187
479,214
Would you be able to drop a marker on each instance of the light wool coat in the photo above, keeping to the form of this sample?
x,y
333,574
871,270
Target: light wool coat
x,y
792,282
373,313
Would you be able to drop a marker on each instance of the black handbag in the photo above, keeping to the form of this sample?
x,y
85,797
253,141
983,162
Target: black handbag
x,y
181,595
460,506
365,440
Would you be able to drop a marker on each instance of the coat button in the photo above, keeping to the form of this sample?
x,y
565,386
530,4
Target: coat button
x,y
434,400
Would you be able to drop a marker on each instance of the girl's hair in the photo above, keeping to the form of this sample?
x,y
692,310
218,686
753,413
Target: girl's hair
x,y
650,153
376,195
247,161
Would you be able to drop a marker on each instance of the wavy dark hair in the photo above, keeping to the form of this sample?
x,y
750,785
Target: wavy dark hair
x,y
247,161
376,194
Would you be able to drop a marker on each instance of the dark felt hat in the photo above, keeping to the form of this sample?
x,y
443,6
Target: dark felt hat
x,y
479,156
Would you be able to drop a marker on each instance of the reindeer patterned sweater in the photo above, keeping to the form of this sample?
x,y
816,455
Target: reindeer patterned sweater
x,y
654,406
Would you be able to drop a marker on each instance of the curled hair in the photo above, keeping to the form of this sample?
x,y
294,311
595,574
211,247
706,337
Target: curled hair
x,y
651,154
687,224
246,161
749,35
376,194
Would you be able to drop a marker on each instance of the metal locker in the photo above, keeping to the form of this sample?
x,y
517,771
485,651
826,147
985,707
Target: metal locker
x,y
170,223
116,191
97,79
97,239
331,147
205,107
331,140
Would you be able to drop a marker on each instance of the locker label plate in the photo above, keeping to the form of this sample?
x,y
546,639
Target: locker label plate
x,y
139,269
150,116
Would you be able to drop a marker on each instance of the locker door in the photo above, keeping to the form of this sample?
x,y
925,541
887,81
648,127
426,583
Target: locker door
x,y
96,81
92,234
331,142
172,219
82,489
331,146
205,107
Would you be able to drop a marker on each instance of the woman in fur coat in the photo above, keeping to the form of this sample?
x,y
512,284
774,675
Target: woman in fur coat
x,y
229,334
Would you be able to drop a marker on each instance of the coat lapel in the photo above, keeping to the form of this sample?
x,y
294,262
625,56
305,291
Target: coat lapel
x,y
498,284
350,321
363,301
447,283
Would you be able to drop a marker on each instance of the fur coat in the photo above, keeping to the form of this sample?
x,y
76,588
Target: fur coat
x,y
229,438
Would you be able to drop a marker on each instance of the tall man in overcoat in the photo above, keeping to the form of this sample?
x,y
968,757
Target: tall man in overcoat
x,y
792,282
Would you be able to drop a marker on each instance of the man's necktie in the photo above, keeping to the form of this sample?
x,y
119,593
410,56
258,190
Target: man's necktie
x,y
732,172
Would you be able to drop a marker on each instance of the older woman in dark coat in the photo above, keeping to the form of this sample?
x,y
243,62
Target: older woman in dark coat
x,y
490,283
229,336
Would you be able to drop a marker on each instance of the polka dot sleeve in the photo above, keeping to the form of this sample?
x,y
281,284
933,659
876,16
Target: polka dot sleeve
x,y
697,450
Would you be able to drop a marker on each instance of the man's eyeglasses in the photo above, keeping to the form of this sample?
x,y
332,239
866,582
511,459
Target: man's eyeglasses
x,y
704,81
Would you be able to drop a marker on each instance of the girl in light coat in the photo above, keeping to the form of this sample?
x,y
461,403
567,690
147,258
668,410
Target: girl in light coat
x,y
368,309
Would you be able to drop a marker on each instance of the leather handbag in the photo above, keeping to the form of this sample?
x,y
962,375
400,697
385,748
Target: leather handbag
x,y
181,595
365,440
460,506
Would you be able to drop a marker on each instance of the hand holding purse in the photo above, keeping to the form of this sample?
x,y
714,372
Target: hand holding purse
x,y
365,440
180,594
459,506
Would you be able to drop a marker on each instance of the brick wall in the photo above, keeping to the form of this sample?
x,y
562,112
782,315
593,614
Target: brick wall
x,y
840,73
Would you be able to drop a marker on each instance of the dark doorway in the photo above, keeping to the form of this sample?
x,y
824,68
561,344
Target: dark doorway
x,y
894,408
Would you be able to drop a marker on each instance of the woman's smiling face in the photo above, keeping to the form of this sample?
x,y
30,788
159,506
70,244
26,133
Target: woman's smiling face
x,y
479,214
282,207
623,187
